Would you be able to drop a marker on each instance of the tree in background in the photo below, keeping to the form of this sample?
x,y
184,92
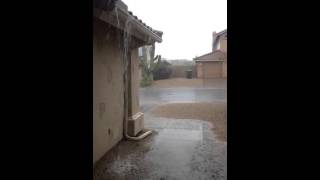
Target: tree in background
x,y
153,68
162,70
147,64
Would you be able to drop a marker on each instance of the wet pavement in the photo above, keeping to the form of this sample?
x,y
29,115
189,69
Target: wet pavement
x,y
178,149
183,149
150,97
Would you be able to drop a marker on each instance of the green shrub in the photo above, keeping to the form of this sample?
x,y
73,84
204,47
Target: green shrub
x,y
146,80
162,70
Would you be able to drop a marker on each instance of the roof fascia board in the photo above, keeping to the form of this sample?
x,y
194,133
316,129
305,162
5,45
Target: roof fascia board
x,y
118,18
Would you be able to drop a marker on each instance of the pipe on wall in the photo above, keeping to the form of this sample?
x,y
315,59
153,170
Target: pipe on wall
x,y
127,85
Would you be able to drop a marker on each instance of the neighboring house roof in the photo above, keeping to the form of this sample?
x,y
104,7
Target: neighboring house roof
x,y
217,37
181,62
216,55
116,13
222,32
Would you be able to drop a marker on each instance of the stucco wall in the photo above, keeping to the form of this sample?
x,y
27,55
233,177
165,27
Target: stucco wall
x,y
224,65
213,69
108,99
199,70
223,45
212,65
224,69
135,82
224,48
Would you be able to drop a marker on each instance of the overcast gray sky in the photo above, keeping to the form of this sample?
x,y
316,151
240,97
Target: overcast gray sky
x,y
187,25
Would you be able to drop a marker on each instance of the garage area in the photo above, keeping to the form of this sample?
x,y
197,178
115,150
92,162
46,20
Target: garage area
x,y
210,69
212,65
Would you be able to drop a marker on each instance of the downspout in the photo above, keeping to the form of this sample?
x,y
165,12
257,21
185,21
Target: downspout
x,y
127,85
127,82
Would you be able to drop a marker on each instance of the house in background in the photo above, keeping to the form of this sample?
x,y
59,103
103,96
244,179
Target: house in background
x,y
214,64
117,35
219,41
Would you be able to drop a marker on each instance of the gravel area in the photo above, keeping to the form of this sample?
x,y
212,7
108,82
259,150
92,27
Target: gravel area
x,y
195,83
215,113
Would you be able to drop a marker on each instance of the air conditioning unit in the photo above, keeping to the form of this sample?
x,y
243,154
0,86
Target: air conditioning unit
x,y
135,124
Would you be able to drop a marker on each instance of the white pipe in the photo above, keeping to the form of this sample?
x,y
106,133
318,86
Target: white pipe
x,y
139,137
133,137
125,123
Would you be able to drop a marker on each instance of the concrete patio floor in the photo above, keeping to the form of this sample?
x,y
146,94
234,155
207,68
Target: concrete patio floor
x,y
183,149
178,149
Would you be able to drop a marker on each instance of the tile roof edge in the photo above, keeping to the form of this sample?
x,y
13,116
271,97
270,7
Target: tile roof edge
x,y
122,6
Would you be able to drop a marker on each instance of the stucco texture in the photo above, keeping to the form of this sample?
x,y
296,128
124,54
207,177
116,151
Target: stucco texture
x,y
108,89
212,65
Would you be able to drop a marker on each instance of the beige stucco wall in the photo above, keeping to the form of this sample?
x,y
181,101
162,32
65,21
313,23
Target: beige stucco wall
x,y
224,69
108,99
224,48
212,69
223,45
213,65
135,82
199,70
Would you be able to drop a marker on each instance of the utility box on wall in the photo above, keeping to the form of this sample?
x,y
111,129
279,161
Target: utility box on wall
x,y
135,124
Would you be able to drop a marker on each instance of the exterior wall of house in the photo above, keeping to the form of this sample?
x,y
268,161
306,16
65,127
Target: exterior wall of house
x,y
108,89
135,81
224,69
135,117
199,70
223,45
213,65
212,69
224,48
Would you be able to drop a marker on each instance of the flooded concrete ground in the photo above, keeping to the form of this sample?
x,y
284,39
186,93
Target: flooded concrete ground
x,y
178,149
180,146
150,97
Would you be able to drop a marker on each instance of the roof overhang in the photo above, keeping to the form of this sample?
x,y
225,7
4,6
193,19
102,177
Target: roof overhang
x,y
208,61
118,16
214,56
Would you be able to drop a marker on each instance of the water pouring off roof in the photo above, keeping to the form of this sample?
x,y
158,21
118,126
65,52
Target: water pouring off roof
x,y
116,13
